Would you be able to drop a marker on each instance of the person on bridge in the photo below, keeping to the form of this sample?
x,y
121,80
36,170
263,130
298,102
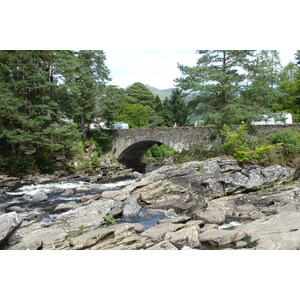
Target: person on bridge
x,y
175,125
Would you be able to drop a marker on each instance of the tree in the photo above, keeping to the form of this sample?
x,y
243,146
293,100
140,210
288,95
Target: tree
x,y
290,86
30,124
142,94
176,109
261,91
135,115
85,81
216,83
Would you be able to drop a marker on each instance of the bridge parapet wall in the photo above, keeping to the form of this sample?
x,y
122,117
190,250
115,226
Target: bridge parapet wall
x,y
130,144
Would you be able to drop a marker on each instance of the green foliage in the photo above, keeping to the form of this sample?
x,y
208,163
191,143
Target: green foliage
x,y
102,140
159,151
233,86
175,109
109,220
31,126
142,94
234,140
136,115
238,146
289,139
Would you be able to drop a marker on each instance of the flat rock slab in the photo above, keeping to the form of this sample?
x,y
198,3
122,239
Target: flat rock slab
x,y
164,245
9,223
221,237
45,237
85,218
188,236
158,232
284,222
89,239
279,241
210,216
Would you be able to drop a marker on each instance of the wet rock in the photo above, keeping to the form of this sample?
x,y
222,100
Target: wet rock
x,y
63,207
68,193
90,197
221,237
17,209
80,189
9,223
132,208
115,195
136,174
182,219
39,197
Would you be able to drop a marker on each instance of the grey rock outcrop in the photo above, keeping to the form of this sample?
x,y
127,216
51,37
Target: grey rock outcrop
x,y
9,223
39,197
132,208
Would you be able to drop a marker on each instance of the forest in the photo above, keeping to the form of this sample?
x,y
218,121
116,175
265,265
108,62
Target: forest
x,y
50,100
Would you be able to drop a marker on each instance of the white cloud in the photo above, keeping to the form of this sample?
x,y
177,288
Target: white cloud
x,y
157,68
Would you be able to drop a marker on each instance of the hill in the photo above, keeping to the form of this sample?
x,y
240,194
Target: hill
x,y
162,94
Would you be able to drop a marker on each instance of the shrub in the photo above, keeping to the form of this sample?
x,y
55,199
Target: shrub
x,y
160,151
109,220
289,139
240,148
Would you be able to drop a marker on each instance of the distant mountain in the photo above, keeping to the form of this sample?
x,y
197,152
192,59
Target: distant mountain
x,y
162,94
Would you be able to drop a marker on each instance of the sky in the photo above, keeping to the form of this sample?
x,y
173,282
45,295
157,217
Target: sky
x,y
157,68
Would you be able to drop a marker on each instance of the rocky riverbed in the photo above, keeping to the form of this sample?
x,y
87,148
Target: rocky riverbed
x,y
213,204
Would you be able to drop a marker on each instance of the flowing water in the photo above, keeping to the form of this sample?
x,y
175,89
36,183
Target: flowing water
x,y
58,192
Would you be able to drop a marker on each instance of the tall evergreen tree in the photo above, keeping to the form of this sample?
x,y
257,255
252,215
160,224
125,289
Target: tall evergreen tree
x,y
85,81
216,82
30,124
176,109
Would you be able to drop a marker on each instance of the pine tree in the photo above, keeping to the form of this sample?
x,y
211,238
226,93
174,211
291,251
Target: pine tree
x,y
176,109
30,125
216,82
85,81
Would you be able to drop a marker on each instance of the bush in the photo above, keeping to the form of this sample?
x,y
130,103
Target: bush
x,y
240,148
159,151
289,139
16,165
109,220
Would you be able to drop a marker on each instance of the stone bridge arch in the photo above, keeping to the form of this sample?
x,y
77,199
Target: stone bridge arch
x,y
129,145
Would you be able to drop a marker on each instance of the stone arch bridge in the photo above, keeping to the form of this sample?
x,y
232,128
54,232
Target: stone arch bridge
x,y
129,145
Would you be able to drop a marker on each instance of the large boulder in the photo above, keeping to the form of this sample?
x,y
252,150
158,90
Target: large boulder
x,y
9,223
39,197
132,208
217,177
279,231
86,217
221,237
188,236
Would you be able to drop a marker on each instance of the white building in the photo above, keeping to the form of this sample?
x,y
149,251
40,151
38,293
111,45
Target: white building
x,y
279,118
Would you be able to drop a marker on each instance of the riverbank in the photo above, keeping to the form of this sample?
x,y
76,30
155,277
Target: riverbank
x,y
213,204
